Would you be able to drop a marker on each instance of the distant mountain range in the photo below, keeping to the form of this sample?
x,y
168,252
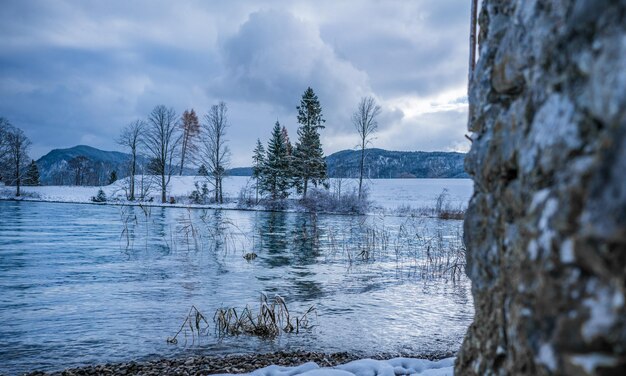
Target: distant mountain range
x,y
86,165
381,164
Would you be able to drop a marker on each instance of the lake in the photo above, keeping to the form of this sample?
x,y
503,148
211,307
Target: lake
x,y
86,284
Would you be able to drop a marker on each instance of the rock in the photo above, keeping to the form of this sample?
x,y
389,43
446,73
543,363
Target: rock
x,y
546,228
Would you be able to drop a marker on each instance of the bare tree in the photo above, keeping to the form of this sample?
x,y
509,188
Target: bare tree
x,y
5,129
131,138
161,141
214,153
17,157
190,127
364,120
80,166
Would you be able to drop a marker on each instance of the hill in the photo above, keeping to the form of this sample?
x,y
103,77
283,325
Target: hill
x,y
381,164
81,165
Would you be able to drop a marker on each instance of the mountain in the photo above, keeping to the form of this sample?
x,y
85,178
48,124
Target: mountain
x,y
86,165
81,165
381,163
240,171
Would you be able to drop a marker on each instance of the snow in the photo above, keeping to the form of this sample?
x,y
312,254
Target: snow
x,y
387,195
546,356
589,362
365,367
603,311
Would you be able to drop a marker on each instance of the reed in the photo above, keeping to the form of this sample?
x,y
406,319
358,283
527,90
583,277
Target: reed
x,y
270,320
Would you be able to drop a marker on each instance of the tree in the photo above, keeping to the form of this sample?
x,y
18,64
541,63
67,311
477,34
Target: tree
x,y
32,174
202,171
190,126
17,156
161,141
287,142
364,120
275,177
131,138
113,177
5,129
214,153
79,165
258,160
308,157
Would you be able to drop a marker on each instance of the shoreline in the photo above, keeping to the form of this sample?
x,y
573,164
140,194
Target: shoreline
x,y
219,207
214,364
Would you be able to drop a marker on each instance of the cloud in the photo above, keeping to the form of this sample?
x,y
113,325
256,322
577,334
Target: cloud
x,y
275,56
73,71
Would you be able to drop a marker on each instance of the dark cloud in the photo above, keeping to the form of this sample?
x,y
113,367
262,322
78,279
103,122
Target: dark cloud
x,y
76,72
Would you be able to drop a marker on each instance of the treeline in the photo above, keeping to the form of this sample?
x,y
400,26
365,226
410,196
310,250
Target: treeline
x,y
283,167
168,143
16,167
164,144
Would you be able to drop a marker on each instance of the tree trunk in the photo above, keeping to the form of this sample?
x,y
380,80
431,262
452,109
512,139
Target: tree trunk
x,y
217,196
182,157
17,177
163,190
306,182
132,177
221,192
361,166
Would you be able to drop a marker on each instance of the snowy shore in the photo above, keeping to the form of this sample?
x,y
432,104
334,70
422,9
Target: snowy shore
x,y
388,196
273,364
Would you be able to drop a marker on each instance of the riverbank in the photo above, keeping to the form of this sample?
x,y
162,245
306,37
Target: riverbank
x,y
300,361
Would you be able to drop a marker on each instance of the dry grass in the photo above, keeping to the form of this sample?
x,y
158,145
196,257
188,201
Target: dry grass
x,y
195,323
272,318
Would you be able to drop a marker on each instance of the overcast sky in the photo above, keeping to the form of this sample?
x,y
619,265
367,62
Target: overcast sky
x,y
76,72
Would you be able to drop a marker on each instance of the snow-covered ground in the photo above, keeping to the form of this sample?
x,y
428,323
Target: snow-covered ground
x,y
366,367
387,195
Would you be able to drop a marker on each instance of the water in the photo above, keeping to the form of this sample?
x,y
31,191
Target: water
x,y
86,284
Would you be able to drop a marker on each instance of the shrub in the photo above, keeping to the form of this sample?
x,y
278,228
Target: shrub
x,y
200,194
246,197
100,197
322,200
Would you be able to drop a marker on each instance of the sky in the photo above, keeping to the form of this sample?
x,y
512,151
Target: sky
x,y
76,72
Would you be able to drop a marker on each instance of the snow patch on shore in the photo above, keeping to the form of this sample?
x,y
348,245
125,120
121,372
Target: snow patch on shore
x,y
365,367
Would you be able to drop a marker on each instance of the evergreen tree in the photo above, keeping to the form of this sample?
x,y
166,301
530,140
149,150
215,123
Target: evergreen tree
x,y
100,197
258,160
113,177
32,174
202,171
275,177
287,142
308,157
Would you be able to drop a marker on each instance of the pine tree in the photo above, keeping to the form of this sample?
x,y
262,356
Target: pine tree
x,y
308,157
202,171
32,174
287,142
113,177
258,160
275,175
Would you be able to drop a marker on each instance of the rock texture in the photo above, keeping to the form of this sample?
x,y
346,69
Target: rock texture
x,y
546,228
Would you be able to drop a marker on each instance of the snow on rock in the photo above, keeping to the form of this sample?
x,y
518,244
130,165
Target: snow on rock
x,y
366,367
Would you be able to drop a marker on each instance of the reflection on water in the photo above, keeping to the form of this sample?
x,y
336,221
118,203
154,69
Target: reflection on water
x,y
84,284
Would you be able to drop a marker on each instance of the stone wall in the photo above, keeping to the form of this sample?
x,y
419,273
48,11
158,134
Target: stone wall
x,y
546,227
